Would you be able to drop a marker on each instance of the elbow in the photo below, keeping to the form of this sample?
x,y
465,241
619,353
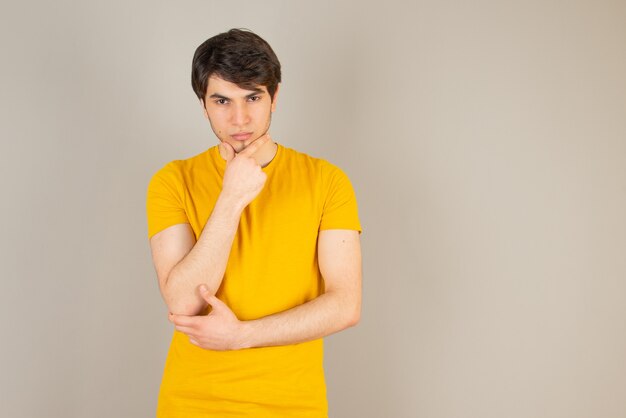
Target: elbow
x,y
173,303
179,303
348,310
353,322
182,307
179,307
354,318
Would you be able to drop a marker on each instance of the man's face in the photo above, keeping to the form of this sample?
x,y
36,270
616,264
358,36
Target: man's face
x,y
238,116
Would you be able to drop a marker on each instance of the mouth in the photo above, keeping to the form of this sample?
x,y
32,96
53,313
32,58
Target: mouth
x,y
241,136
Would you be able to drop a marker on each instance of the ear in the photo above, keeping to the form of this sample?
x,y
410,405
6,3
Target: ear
x,y
275,97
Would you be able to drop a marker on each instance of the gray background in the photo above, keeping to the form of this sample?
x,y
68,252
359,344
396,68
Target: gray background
x,y
486,142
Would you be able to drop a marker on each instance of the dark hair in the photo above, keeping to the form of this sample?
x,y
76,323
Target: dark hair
x,y
238,56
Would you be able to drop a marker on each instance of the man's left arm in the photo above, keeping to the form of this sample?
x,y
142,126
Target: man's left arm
x,y
338,308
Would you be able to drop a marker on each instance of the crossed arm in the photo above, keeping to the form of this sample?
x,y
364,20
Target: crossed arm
x,y
182,264
338,308
190,272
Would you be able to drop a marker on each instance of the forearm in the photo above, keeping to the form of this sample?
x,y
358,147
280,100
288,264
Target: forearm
x,y
206,261
329,313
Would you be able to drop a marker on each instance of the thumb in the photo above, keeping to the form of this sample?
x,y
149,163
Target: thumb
x,y
215,303
228,152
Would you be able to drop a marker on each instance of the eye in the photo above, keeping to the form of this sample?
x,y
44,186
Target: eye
x,y
254,98
221,101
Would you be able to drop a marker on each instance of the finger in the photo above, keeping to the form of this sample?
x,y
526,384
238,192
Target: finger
x,y
216,303
228,151
184,320
210,298
186,330
194,342
204,292
255,145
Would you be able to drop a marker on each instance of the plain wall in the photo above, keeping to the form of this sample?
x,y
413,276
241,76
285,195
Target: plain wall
x,y
486,142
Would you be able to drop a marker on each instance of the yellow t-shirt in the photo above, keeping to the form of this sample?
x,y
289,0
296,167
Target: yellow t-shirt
x,y
272,267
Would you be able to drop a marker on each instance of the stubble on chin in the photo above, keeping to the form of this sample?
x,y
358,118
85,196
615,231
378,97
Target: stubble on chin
x,y
241,146
237,146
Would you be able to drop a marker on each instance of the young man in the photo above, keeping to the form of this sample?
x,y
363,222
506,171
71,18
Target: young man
x,y
256,249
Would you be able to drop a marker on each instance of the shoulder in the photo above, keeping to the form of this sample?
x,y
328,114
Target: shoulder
x,y
324,168
176,171
168,173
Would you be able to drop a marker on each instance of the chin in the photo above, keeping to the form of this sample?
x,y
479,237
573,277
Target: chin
x,y
243,145
237,146
240,146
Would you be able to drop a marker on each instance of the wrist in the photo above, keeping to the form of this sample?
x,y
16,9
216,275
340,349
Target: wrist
x,y
233,205
245,335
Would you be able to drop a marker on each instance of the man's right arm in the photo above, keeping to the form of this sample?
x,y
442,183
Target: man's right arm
x,y
182,264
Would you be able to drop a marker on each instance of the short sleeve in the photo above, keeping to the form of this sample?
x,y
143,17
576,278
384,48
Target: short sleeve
x,y
340,206
164,200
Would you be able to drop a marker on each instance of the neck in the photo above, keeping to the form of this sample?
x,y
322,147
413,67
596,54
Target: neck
x,y
266,153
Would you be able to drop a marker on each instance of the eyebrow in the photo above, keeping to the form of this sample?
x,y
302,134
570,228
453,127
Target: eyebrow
x,y
255,92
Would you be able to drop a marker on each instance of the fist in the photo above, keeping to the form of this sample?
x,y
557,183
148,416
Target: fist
x,y
243,179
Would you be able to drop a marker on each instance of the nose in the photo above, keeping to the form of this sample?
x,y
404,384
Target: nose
x,y
240,116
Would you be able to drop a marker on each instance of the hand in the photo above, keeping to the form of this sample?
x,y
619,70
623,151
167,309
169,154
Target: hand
x,y
243,178
219,330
